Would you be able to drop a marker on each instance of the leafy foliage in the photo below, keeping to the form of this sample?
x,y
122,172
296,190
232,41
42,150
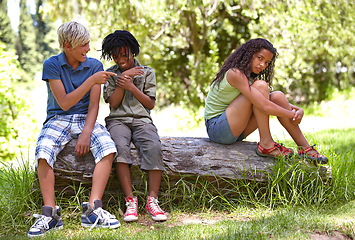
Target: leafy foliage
x,y
186,41
316,45
26,47
10,103
46,36
7,35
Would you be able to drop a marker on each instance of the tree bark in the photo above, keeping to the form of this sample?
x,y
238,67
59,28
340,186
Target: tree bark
x,y
183,157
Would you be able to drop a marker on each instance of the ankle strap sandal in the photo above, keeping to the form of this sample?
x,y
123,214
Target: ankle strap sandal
x,y
314,155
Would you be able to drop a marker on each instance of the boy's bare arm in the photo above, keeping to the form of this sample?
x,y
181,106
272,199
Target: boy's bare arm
x,y
83,144
68,100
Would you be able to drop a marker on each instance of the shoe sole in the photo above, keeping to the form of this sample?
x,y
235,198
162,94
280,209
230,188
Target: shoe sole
x,y
88,225
38,235
130,219
158,219
315,160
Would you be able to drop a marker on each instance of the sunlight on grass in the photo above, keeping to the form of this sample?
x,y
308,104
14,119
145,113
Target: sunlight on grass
x,y
296,202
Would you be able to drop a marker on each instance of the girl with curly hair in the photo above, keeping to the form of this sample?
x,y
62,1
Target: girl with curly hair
x,y
239,102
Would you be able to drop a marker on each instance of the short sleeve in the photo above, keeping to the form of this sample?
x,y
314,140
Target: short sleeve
x,y
150,84
51,69
109,87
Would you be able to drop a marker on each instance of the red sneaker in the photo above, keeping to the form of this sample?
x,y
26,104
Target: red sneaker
x,y
282,151
154,210
131,210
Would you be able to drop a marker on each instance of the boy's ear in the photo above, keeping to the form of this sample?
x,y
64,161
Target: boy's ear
x,y
67,46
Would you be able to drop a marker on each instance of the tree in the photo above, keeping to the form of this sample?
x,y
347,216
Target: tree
x,y
7,35
26,45
315,39
46,41
10,102
184,41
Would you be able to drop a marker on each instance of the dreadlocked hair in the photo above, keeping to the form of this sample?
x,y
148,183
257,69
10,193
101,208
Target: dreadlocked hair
x,y
115,42
241,59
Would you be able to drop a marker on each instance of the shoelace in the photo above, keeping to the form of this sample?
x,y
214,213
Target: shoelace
x,y
316,154
102,215
282,148
131,208
40,222
153,205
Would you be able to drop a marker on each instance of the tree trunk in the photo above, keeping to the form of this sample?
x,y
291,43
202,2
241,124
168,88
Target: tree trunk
x,y
183,157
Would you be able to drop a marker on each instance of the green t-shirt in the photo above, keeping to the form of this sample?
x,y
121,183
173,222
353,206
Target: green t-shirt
x,y
219,98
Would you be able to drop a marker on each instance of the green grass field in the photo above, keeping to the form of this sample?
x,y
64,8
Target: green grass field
x,y
296,203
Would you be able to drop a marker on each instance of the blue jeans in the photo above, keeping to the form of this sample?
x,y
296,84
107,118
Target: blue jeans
x,y
219,131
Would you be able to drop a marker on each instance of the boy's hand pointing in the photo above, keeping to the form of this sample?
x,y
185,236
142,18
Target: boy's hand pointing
x,y
102,77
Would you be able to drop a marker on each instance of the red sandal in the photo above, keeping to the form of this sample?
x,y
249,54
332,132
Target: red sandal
x,y
283,151
316,157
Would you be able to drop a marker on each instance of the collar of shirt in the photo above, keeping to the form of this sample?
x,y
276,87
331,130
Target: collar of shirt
x,y
63,61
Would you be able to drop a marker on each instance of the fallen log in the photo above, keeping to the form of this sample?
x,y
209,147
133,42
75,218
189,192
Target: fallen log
x,y
183,157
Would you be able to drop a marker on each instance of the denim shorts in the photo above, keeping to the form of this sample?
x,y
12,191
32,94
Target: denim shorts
x,y
219,131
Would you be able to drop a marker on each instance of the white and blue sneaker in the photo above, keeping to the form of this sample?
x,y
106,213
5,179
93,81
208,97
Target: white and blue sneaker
x,y
49,220
97,217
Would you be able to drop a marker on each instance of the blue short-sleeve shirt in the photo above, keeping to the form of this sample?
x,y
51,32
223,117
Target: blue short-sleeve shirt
x,y
57,67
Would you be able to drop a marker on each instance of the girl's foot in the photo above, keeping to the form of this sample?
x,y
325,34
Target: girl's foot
x,y
278,150
312,154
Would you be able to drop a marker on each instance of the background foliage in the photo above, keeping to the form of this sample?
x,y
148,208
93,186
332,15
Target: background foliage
x,y
186,41
316,44
10,104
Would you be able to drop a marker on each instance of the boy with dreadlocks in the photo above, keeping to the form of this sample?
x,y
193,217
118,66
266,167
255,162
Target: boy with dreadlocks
x,y
131,96
239,102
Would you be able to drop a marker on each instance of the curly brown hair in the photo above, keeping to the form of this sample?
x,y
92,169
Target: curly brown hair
x,y
241,59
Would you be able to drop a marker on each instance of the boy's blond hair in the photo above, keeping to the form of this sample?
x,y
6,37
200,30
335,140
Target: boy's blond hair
x,y
73,33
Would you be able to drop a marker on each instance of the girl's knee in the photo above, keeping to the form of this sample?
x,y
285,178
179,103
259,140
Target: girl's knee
x,y
262,86
277,96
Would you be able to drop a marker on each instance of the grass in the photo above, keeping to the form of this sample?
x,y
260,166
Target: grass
x,y
297,202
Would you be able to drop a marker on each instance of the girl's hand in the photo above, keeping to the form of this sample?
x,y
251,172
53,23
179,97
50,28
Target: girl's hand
x,y
298,116
125,82
134,71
